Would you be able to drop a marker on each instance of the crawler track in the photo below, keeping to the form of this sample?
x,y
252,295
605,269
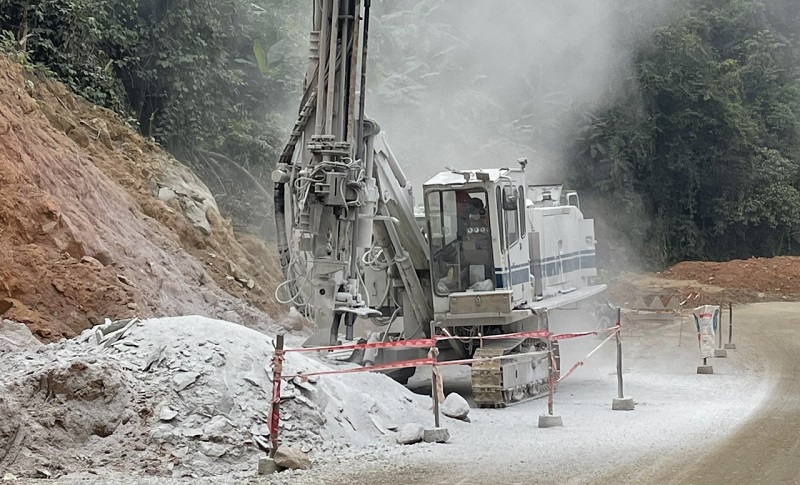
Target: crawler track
x,y
505,382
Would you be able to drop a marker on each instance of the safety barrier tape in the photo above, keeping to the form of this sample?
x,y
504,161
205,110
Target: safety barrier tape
x,y
485,359
393,365
409,344
434,362
613,330
430,342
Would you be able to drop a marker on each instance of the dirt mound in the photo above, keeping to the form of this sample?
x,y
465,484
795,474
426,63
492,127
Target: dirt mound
x,y
779,275
629,289
98,222
737,281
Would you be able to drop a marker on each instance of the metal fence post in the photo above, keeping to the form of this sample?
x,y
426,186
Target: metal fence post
x,y
730,344
435,383
620,393
551,381
621,403
275,418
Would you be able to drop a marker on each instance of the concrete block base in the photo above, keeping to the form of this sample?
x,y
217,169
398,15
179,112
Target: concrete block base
x,y
730,346
720,353
436,435
266,466
623,404
705,369
550,421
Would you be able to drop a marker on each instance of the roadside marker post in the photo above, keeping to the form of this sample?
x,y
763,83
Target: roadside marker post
x,y
730,345
550,420
720,352
706,318
277,370
266,464
621,403
436,382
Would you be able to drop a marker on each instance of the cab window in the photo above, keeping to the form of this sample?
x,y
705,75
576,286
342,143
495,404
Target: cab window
x,y
460,240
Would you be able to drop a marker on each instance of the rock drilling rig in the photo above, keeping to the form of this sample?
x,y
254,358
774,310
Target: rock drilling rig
x,y
491,254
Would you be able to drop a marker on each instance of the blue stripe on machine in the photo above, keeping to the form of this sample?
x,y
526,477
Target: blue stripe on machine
x,y
568,263
547,267
519,274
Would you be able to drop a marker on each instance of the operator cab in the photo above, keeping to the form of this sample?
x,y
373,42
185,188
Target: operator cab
x,y
461,246
476,228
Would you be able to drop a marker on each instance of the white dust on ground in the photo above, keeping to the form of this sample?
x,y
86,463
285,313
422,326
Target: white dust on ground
x,y
676,410
201,408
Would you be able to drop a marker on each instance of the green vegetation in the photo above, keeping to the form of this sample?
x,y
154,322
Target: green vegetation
x,y
700,154
693,154
211,75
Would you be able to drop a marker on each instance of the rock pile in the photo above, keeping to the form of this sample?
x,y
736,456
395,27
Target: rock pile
x,y
184,396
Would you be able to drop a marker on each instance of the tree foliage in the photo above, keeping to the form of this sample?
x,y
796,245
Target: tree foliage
x,y
700,155
687,145
218,75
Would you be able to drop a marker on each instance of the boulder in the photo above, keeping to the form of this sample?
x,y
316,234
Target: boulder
x,y
411,433
436,435
455,406
291,458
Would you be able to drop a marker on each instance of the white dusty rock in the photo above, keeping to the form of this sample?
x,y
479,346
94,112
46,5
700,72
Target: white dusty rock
x,y
436,435
455,406
167,414
291,458
216,422
212,449
16,336
294,320
266,466
411,433
216,429
183,380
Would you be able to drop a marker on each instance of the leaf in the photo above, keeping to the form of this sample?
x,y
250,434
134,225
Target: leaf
x,y
261,57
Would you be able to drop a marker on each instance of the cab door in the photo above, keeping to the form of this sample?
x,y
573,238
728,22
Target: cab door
x,y
513,224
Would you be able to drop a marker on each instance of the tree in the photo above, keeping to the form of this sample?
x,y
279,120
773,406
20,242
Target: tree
x,y
705,139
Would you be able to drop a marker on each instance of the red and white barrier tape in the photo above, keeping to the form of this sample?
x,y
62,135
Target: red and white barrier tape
x,y
613,330
430,342
530,334
564,336
393,365
485,359
409,344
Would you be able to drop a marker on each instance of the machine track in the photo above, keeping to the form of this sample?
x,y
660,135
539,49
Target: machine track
x,y
504,382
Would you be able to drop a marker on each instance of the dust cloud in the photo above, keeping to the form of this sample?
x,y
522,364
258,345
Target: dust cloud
x,y
478,84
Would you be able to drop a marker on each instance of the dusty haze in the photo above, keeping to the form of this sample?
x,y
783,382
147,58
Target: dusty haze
x,y
479,84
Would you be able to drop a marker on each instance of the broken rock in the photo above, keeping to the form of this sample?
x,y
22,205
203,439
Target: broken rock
x,y
183,380
291,458
216,429
192,432
167,414
455,406
212,449
266,466
436,435
411,433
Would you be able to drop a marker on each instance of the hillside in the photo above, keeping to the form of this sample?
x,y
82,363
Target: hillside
x,y
98,222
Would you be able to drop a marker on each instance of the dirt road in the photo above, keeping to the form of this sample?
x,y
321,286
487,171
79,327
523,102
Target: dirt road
x,y
766,450
743,431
